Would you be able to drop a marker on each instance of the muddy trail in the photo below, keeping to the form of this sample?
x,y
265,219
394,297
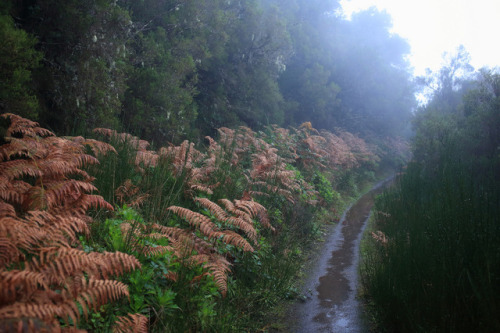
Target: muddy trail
x,y
331,284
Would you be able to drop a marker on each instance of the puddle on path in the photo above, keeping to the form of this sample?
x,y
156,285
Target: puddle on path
x,y
331,304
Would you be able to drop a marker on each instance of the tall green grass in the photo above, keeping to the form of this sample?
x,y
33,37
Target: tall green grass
x,y
440,269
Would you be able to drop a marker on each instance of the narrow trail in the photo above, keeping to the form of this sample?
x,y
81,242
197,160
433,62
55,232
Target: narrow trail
x,y
331,286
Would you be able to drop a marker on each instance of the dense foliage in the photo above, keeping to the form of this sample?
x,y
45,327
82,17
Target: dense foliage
x,y
167,70
433,264
216,232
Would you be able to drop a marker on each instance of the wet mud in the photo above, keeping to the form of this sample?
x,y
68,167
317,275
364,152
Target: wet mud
x,y
331,286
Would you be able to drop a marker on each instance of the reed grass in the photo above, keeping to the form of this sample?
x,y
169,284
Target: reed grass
x,y
440,269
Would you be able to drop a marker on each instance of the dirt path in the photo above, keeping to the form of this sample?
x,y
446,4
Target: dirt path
x,y
331,304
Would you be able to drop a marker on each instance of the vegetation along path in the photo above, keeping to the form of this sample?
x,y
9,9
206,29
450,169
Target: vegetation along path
x,y
331,304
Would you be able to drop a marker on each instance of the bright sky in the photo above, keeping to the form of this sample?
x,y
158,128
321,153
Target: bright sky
x,y
433,27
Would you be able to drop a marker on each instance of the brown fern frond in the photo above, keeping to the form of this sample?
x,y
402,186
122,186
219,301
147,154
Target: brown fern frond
x,y
53,193
380,237
96,293
172,276
148,158
219,268
86,201
8,252
12,196
357,146
202,188
98,148
199,259
23,126
24,148
255,210
127,189
182,157
198,244
233,210
247,207
183,241
41,180
131,323
171,233
198,220
114,263
226,136
307,127
258,193
6,210
197,176
106,132
182,154
31,325
222,216
135,142
45,312
65,230
243,225
212,144
19,168
215,209
24,234
155,250
198,278
138,200
231,237
58,263
15,283
128,194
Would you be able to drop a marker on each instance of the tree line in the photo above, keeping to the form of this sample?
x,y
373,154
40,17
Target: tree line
x,y
167,70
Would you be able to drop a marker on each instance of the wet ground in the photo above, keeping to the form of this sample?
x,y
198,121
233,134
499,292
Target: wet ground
x,y
331,285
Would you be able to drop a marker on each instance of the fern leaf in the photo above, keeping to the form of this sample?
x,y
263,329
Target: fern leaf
x,y
14,283
20,125
6,210
198,220
131,323
218,269
98,148
233,210
30,325
201,188
172,276
114,263
56,264
99,292
19,168
215,209
155,250
231,237
255,210
8,252
243,225
44,312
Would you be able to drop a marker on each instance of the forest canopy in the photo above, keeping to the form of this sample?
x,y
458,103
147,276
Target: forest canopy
x,y
167,70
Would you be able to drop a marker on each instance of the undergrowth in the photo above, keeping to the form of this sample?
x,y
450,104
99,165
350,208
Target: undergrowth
x,y
433,262
217,230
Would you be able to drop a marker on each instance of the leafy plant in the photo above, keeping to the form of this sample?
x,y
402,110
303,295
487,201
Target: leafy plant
x,y
44,200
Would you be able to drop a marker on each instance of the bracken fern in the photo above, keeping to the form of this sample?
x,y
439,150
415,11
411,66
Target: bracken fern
x,y
44,198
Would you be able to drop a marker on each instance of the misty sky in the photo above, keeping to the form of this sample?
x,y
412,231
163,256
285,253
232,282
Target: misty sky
x,y
436,26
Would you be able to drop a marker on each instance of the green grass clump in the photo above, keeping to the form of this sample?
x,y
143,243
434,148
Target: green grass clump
x,y
439,270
